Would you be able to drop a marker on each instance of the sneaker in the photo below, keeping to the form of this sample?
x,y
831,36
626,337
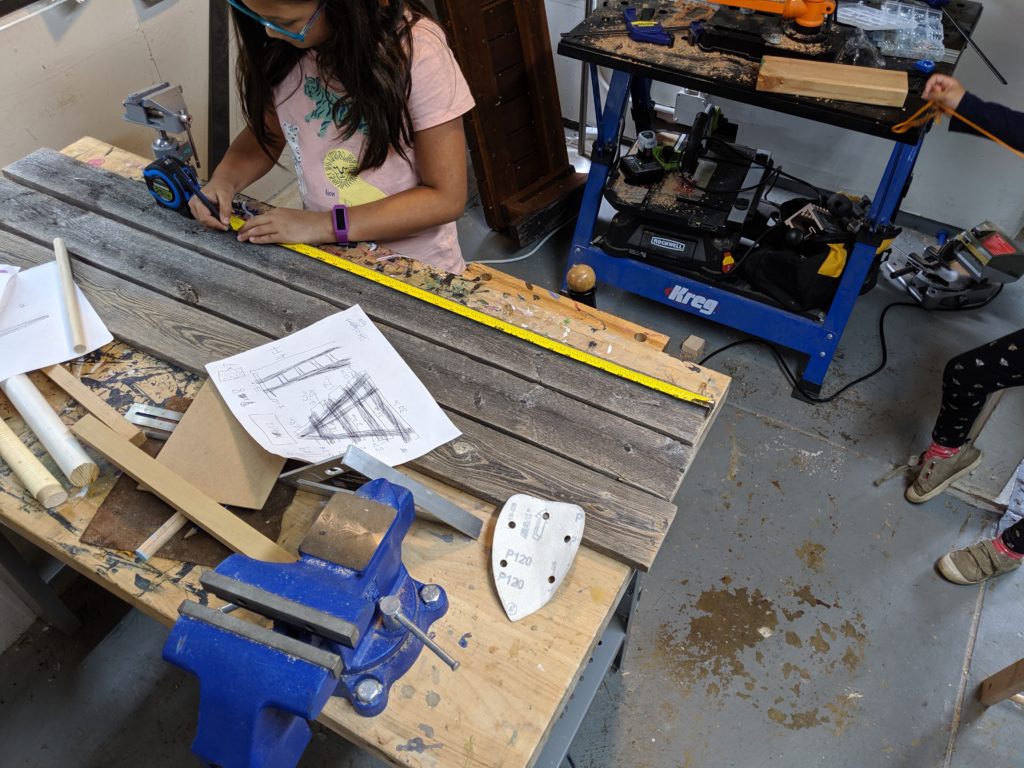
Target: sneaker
x,y
976,563
936,475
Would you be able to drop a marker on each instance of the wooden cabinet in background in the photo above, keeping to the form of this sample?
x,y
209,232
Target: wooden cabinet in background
x,y
517,143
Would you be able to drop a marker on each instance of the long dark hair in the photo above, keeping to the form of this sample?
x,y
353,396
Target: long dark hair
x,y
369,53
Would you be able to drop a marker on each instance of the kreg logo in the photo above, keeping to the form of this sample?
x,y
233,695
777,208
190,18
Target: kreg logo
x,y
702,304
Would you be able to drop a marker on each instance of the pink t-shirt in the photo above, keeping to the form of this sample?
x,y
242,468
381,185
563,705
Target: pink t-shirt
x,y
325,164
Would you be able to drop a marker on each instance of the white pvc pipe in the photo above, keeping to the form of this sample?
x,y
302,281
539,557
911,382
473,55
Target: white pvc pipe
x,y
51,431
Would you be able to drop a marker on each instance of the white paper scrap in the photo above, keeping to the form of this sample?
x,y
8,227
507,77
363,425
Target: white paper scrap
x,y
33,334
333,384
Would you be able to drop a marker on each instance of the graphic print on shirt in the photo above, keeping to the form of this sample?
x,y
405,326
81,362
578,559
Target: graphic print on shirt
x,y
339,164
340,169
291,134
323,103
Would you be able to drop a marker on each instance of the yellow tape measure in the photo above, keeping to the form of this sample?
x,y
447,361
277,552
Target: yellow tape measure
x,y
512,330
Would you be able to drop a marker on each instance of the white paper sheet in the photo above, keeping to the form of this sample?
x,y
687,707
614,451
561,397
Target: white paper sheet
x,y
7,274
33,334
336,383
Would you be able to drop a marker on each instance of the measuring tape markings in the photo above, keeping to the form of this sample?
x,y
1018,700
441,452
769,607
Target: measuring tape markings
x,y
512,330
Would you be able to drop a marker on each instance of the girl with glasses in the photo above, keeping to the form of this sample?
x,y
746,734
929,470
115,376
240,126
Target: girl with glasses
x,y
369,99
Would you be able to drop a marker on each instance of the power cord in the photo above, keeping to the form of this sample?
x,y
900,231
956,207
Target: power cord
x,y
532,251
794,382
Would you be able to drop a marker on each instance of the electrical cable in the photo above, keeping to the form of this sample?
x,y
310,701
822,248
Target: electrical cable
x,y
794,382
532,251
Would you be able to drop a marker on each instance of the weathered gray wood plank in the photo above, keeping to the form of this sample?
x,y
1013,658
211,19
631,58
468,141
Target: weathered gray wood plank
x,y
625,523
610,528
591,437
145,319
127,201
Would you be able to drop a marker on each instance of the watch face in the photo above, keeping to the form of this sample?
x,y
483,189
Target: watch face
x,y
340,219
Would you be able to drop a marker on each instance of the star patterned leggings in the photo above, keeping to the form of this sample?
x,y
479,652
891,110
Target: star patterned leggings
x,y
970,378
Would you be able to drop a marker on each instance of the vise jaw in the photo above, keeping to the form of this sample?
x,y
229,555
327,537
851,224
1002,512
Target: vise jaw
x,y
258,686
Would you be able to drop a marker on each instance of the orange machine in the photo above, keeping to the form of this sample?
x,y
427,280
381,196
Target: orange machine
x,y
809,14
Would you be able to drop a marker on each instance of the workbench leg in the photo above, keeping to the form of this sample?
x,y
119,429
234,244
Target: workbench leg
x,y
602,155
627,609
887,200
33,590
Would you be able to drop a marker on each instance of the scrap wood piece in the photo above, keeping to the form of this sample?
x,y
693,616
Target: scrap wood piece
x,y
93,403
843,82
186,498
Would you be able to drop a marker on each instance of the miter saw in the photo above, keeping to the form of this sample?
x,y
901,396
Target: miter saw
x,y
964,272
753,28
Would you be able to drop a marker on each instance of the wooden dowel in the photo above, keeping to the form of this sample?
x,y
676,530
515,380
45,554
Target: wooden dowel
x,y
93,403
51,431
161,536
29,470
72,312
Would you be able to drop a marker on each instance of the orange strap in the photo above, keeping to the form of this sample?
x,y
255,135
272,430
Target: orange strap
x,y
932,110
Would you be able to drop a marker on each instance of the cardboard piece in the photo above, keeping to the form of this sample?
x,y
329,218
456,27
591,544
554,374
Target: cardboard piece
x,y
211,450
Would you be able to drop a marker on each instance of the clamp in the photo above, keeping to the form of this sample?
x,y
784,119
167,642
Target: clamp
x,y
171,179
643,29
348,620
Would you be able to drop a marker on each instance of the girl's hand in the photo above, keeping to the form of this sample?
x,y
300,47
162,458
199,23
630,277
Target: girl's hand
x,y
287,225
945,90
221,195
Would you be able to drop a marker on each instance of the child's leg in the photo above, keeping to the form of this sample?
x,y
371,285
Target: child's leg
x,y
969,379
966,383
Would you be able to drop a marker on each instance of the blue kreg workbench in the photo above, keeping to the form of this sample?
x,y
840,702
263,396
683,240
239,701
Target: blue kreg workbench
x,y
635,67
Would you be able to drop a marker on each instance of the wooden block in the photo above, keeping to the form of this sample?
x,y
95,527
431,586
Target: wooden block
x,y
186,498
864,85
692,348
211,450
92,403
1004,684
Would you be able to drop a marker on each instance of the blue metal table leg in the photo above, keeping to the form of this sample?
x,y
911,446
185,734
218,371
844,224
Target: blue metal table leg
x,y
602,156
886,203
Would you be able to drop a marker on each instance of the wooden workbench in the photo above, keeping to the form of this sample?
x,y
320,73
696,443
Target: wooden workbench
x,y
515,678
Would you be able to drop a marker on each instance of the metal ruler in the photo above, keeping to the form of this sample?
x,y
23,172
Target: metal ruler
x,y
551,345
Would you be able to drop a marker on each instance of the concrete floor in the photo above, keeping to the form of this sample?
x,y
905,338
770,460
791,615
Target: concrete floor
x,y
793,617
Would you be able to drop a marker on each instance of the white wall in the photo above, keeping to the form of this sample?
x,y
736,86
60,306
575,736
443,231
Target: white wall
x,y
64,73
958,179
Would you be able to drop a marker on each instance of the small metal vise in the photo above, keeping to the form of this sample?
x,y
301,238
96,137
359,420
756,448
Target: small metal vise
x,y
348,620
162,108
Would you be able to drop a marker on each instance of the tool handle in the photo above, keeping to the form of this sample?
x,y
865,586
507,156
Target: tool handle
x,y
73,461
974,45
72,312
37,480
161,536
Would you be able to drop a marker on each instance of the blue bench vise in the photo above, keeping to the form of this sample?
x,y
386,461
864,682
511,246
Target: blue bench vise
x,y
348,620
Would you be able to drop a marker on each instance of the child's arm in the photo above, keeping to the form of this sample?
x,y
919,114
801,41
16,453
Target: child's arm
x,y
439,199
243,163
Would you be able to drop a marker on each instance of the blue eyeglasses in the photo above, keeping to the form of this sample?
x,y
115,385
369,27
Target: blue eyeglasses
x,y
297,36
